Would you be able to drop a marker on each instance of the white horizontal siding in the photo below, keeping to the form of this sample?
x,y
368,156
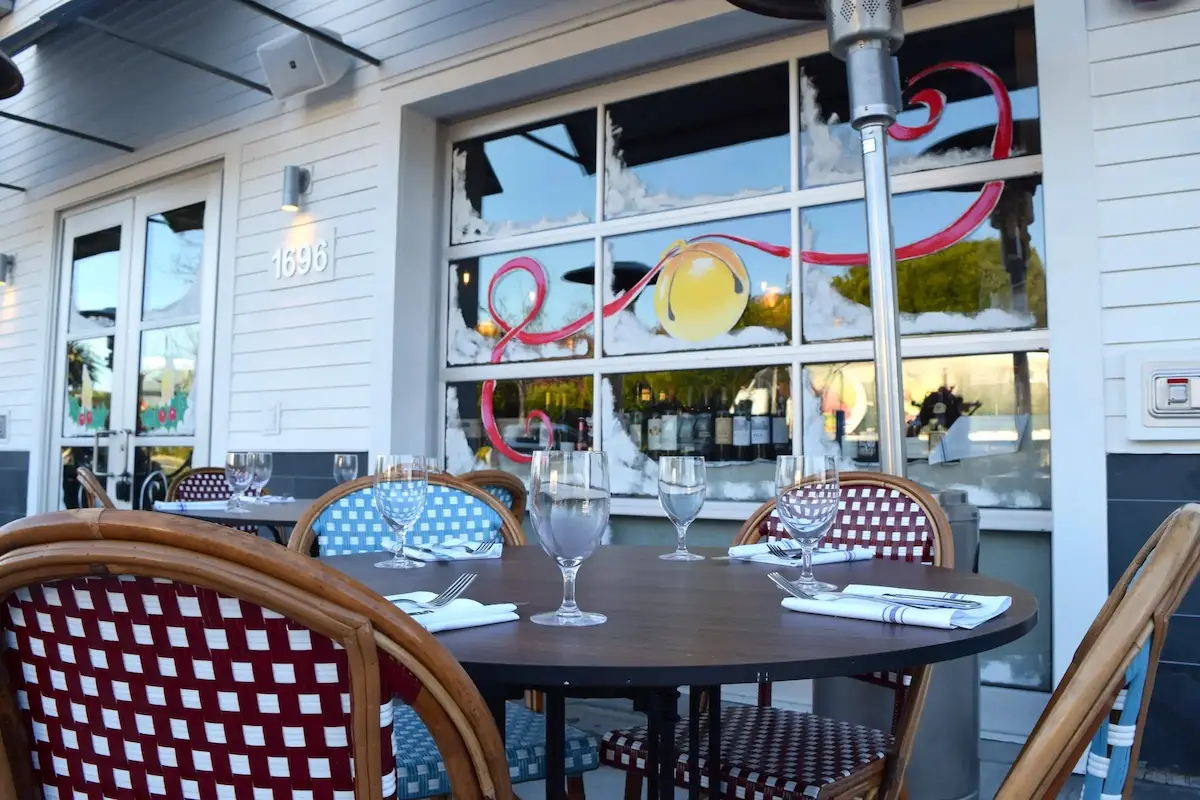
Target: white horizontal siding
x,y
1145,79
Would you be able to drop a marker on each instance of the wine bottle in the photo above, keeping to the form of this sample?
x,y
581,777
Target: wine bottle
x,y
654,432
702,433
723,429
637,423
781,434
687,428
670,426
564,430
584,442
742,450
760,431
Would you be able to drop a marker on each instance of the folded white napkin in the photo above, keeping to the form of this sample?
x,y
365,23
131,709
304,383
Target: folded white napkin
x,y
458,614
875,611
760,554
448,550
271,499
181,506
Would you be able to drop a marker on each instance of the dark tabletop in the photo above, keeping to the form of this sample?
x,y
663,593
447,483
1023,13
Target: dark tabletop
x,y
698,623
283,515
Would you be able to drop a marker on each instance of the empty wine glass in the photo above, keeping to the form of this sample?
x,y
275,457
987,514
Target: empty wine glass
x,y
345,467
681,493
806,499
569,510
238,474
261,465
400,489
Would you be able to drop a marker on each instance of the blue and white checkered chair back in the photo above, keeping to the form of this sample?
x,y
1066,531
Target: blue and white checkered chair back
x,y
1109,756
351,524
501,494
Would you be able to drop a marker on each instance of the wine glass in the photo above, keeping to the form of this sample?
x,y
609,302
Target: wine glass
x,y
569,510
400,490
681,492
345,467
238,474
261,465
806,499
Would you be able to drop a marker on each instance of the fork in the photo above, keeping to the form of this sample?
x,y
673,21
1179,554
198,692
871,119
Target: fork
x,y
787,555
484,547
889,600
452,593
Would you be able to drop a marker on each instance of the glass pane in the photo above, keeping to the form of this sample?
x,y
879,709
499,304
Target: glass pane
x,y
976,423
95,269
73,458
483,306
957,62
538,177
738,419
719,140
712,291
1022,559
89,386
154,468
174,246
166,378
528,415
992,278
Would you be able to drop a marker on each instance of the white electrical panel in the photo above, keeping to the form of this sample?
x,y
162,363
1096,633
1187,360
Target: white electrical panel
x,y
1162,395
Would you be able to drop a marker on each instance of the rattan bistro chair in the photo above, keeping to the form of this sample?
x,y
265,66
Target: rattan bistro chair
x,y
154,656
774,754
344,522
504,486
93,489
1105,694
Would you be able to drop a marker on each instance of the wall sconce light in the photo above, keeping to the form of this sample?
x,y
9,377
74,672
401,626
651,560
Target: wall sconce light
x,y
7,266
296,182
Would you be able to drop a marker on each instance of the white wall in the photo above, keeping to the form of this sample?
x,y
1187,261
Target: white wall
x,y
1145,85
308,348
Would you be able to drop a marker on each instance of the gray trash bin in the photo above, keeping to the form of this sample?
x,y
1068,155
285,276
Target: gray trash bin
x,y
945,758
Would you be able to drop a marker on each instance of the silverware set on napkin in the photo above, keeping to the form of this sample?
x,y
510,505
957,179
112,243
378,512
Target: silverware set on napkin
x,y
891,599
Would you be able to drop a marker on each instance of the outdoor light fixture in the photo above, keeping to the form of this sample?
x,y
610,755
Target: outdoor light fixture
x,y
866,34
11,81
296,181
7,264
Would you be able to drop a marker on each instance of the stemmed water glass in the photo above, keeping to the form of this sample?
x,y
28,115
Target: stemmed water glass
x,y
345,467
261,465
238,474
681,492
569,510
400,489
806,499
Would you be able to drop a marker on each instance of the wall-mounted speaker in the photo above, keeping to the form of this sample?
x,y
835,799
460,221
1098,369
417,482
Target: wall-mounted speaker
x,y
297,64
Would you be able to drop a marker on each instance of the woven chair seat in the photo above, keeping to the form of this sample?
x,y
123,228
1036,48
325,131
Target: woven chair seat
x,y
422,773
766,753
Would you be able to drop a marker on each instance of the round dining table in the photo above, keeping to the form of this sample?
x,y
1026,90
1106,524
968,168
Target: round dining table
x,y
266,515
670,624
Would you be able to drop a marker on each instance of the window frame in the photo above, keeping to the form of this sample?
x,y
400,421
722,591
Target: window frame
x,y
795,354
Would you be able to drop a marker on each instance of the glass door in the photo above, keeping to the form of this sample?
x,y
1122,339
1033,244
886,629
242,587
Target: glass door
x,y
139,291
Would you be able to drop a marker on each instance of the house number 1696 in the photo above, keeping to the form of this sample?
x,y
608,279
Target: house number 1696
x,y
292,261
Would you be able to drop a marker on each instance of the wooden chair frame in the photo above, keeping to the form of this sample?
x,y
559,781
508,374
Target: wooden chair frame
x,y
303,535
1085,695
891,783
506,480
75,544
93,489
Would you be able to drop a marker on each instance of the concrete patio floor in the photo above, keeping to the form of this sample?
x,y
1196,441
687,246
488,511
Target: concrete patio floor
x,y
601,716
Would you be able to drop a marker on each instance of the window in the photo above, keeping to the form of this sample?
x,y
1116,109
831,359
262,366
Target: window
x,y
683,270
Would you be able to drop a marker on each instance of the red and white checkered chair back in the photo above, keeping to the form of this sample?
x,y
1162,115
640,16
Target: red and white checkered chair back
x,y
149,656
895,517
202,483
142,687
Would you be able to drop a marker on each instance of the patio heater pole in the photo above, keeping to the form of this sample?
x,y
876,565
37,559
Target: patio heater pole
x,y
865,34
